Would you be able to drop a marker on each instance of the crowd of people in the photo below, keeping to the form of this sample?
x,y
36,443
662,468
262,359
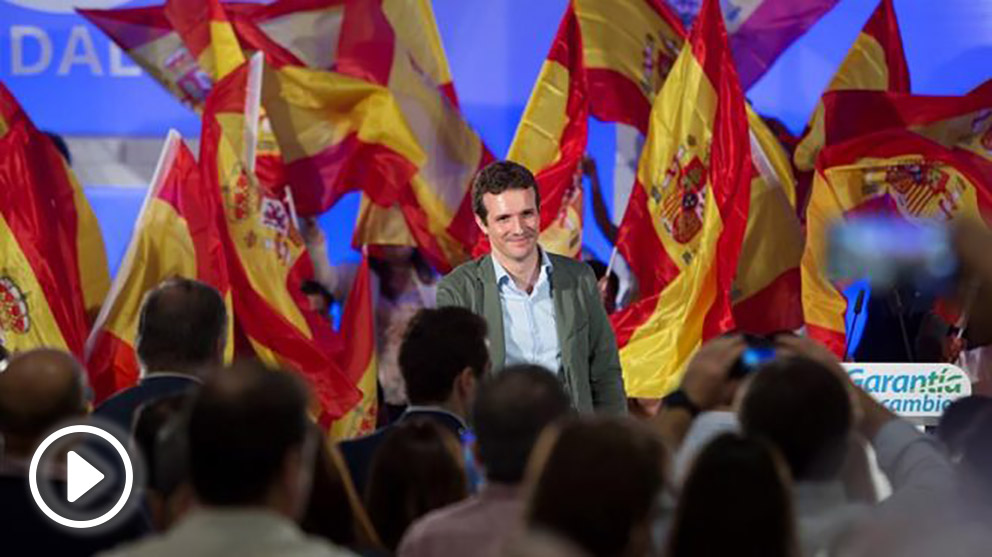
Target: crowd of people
x,y
514,438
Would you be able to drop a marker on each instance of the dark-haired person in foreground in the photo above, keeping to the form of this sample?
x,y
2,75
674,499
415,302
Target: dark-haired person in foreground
x,y
39,390
511,411
443,357
541,308
181,336
804,404
251,456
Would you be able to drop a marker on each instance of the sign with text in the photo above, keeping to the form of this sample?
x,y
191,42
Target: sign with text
x,y
920,391
73,80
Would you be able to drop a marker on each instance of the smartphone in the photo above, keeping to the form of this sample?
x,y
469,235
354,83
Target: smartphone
x,y
892,253
758,351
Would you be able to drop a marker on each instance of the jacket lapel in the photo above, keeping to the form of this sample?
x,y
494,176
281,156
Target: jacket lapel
x,y
492,310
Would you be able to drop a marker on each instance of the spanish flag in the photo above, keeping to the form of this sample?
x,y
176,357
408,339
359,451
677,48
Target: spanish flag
x,y
176,235
411,27
948,120
608,61
207,33
768,269
551,139
358,358
147,36
395,43
629,47
931,159
687,214
53,266
338,134
267,261
875,62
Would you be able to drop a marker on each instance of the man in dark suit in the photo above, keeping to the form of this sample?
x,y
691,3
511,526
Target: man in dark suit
x,y
181,337
442,359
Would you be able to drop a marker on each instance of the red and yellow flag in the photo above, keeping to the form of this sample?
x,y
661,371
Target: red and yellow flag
x,y
608,61
931,159
147,36
685,221
629,47
875,62
53,266
267,260
206,31
176,235
359,358
552,135
768,270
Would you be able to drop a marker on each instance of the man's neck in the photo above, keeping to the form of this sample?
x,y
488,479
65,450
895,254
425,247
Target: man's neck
x,y
523,272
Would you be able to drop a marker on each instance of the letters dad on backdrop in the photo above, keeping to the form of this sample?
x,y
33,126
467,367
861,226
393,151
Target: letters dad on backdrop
x,y
919,392
73,80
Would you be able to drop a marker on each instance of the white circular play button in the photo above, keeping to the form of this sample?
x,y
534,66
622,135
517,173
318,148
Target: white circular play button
x,y
83,475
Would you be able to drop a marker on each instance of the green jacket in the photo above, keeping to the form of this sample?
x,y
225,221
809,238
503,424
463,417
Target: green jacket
x,y
589,358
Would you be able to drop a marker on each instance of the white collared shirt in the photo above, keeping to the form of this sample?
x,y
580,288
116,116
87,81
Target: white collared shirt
x,y
529,330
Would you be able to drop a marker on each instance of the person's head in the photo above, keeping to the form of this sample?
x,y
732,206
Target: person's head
x,y
160,436
803,409
39,389
596,482
319,299
510,412
250,442
182,327
735,501
507,205
443,356
418,468
976,460
958,420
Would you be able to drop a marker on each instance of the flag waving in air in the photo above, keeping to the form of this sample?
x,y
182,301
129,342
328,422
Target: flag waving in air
x,y
53,266
875,62
267,261
176,236
359,358
685,221
915,158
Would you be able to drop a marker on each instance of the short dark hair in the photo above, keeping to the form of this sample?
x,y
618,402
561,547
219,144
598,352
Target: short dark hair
x,y
496,178
243,423
418,468
439,344
958,420
804,409
181,323
739,488
600,479
511,410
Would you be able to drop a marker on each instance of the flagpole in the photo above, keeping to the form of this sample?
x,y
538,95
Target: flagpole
x,y
613,259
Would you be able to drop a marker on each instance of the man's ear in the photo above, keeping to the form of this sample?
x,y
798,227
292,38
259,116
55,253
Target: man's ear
x,y
481,224
467,381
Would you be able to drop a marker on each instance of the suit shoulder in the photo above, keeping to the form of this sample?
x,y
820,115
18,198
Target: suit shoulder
x,y
464,272
571,266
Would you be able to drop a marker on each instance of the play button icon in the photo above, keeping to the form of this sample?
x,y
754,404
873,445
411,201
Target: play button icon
x,y
82,477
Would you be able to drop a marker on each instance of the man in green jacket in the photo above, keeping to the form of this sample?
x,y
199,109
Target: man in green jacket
x,y
541,308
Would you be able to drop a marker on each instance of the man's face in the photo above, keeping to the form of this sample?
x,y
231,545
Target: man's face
x,y
512,222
